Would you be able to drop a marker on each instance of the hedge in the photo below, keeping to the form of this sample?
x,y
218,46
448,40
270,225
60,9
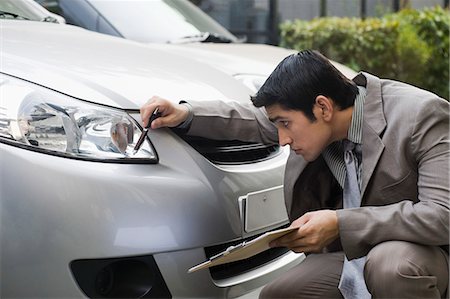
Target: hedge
x,y
410,46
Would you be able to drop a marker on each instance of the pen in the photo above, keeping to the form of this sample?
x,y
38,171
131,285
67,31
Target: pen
x,y
154,116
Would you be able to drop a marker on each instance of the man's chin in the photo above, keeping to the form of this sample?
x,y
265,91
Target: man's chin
x,y
306,157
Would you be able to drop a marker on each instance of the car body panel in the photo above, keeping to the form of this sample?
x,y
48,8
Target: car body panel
x,y
120,210
111,78
241,58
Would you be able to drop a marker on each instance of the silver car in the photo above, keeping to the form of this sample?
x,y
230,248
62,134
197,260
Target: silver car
x,y
84,217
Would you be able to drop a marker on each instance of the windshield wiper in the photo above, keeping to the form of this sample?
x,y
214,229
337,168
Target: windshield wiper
x,y
203,37
3,14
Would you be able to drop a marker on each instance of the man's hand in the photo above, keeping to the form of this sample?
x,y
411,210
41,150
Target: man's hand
x,y
316,230
171,114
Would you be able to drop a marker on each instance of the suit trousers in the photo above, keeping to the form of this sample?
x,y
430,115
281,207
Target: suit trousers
x,y
394,269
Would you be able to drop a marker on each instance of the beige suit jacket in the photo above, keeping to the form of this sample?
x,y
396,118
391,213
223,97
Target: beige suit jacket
x,y
405,175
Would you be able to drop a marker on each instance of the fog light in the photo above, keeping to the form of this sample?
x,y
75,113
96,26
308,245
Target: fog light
x,y
124,279
136,277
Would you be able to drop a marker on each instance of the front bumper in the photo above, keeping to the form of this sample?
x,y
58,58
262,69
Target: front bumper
x,y
57,210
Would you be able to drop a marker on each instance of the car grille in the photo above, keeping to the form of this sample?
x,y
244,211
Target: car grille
x,y
232,152
239,267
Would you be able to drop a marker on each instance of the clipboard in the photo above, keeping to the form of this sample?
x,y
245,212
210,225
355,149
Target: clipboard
x,y
243,250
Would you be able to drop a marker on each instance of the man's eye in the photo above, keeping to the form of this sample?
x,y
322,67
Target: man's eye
x,y
282,123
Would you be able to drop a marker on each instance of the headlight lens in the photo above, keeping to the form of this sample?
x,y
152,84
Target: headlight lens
x,y
47,121
254,82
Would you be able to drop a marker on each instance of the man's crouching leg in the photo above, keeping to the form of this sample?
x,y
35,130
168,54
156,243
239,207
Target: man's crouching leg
x,y
398,269
316,277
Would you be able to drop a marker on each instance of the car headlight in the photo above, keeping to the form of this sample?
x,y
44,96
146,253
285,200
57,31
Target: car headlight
x,y
254,82
37,118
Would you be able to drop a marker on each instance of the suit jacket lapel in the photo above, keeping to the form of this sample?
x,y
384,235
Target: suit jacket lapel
x,y
373,126
372,149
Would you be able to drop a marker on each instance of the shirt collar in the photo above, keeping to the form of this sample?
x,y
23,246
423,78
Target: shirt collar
x,y
355,129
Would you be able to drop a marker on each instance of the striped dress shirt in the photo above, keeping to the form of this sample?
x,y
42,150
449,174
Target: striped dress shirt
x,y
334,153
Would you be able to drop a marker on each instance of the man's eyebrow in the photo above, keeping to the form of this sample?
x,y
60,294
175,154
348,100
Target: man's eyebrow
x,y
277,118
274,119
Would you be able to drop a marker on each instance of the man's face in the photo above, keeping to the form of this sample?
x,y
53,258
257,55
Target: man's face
x,y
305,137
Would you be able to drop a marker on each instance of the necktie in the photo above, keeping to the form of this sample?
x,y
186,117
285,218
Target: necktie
x,y
352,284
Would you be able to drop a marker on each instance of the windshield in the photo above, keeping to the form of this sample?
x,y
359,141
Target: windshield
x,y
24,9
158,20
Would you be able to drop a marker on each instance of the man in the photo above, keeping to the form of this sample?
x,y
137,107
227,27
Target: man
x,y
367,181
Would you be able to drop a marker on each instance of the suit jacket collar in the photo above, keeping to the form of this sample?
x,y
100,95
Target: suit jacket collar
x,y
373,126
373,108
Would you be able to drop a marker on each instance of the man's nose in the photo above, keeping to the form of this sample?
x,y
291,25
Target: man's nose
x,y
283,138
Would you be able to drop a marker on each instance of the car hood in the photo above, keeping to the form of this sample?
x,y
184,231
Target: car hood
x,y
235,58
240,58
108,70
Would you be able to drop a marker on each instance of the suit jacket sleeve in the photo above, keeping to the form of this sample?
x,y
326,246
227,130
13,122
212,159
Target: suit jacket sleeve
x,y
232,121
423,220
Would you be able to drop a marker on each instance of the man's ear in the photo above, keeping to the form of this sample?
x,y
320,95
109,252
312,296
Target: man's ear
x,y
324,107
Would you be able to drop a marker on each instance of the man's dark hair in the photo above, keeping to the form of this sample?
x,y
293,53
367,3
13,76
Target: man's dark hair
x,y
300,78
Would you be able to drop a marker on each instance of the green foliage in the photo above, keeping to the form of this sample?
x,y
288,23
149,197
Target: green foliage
x,y
410,46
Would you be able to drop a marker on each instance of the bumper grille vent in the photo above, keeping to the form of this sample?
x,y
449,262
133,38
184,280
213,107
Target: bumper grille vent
x,y
232,152
239,267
